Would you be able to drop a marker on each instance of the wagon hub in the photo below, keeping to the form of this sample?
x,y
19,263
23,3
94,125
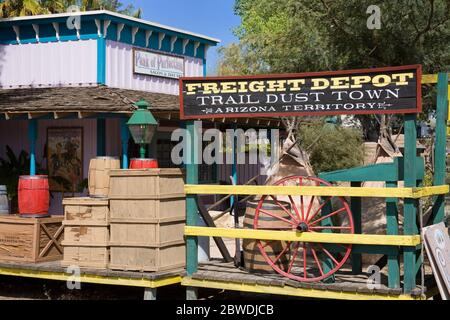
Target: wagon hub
x,y
302,227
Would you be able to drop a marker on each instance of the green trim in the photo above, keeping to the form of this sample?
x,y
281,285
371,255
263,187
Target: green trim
x,y
356,207
191,204
409,211
440,154
392,171
392,229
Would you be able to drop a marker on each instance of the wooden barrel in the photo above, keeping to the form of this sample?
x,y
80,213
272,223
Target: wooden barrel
x,y
34,196
143,163
4,203
99,175
253,259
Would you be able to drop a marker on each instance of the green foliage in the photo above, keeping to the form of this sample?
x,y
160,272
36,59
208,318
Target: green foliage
x,y
16,8
302,35
11,168
331,147
15,166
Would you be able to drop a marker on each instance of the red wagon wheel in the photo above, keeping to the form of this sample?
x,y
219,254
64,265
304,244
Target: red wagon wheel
x,y
305,260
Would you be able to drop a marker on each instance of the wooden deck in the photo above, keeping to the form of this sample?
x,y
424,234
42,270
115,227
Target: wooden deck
x,y
54,271
221,275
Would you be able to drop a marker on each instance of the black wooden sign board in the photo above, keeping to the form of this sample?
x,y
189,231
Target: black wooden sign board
x,y
364,91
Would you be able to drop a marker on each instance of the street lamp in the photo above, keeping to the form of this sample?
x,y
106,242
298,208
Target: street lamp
x,y
142,125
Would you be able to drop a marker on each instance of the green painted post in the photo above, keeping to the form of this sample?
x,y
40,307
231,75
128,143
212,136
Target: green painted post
x,y
101,137
355,207
392,229
409,208
440,145
191,206
32,136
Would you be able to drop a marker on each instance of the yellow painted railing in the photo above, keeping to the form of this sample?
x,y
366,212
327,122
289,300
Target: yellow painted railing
x,y
413,193
430,78
338,238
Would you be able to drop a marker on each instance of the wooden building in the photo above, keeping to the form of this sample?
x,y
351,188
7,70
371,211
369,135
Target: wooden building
x,y
84,71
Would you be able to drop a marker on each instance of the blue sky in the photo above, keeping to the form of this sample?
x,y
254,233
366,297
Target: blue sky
x,y
213,18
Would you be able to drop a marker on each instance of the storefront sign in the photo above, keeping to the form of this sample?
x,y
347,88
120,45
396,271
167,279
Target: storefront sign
x,y
368,91
159,65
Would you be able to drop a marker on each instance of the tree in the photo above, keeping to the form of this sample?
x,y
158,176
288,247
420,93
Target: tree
x,y
331,147
16,8
302,35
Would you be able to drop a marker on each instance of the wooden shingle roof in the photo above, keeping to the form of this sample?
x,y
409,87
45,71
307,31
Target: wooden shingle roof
x,y
96,99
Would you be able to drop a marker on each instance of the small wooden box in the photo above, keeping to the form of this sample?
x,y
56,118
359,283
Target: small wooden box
x,y
147,209
142,184
148,258
159,232
30,239
85,210
89,256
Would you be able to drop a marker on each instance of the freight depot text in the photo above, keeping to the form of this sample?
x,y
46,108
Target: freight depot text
x,y
293,85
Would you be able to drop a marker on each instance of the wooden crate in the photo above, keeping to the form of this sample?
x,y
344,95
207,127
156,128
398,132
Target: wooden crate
x,y
142,184
147,209
30,239
91,211
157,232
89,256
86,234
148,258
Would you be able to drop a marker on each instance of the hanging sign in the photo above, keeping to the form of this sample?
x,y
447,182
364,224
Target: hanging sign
x,y
365,91
156,64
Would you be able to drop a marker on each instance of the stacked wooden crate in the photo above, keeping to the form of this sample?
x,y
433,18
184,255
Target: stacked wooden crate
x,y
147,218
86,232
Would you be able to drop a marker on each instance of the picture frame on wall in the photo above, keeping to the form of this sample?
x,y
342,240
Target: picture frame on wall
x,y
65,158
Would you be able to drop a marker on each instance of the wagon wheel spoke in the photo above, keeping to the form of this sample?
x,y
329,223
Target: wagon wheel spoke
x,y
295,209
320,208
327,216
305,254
284,209
282,253
302,208
329,254
276,216
309,207
330,228
294,256
317,261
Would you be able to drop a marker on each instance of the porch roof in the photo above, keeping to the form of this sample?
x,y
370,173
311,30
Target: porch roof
x,y
97,101
36,102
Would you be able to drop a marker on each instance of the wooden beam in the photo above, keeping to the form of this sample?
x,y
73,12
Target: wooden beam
x,y
315,237
82,115
413,193
291,291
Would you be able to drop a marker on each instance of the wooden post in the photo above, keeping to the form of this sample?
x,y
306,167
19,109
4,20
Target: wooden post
x,y
392,229
150,293
440,145
409,208
355,206
124,137
32,135
191,206
101,137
